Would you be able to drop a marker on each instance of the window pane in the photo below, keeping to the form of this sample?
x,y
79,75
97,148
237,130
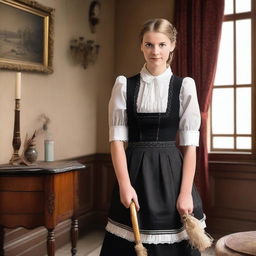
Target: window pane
x,y
243,51
243,110
223,142
229,7
225,64
223,111
244,142
243,6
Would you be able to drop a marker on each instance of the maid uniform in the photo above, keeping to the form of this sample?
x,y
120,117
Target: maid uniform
x,y
147,111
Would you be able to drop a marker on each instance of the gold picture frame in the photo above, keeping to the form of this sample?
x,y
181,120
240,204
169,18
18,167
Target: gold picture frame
x,y
26,36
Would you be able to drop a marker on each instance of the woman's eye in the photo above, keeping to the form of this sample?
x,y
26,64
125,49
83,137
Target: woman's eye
x,y
148,45
162,45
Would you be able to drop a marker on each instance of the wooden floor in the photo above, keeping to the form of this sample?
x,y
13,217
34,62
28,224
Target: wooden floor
x,y
90,244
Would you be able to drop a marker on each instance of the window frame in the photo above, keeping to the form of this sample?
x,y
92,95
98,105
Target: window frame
x,y
241,155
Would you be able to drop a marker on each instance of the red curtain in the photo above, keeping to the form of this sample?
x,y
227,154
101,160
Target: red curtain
x,y
199,23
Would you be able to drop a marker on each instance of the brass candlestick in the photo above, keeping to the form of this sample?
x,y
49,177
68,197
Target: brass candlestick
x,y
16,141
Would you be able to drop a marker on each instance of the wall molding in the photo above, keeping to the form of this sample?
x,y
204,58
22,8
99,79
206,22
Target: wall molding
x,y
232,209
232,200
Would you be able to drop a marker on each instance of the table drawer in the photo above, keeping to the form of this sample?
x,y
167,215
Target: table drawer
x,y
22,183
21,202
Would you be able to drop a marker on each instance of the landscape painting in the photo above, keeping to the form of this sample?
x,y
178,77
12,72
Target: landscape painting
x,y
23,37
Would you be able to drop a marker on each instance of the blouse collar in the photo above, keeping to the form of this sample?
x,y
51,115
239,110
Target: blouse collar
x,y
148,78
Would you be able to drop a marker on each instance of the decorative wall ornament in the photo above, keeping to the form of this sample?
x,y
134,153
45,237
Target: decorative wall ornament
x,y
84,52
94,15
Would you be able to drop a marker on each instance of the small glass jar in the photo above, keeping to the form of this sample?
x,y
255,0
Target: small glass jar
x,y
48,150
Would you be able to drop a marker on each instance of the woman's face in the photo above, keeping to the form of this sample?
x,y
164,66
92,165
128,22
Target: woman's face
x,y
156,48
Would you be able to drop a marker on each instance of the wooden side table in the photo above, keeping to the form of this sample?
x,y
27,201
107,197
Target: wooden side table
x,y
41,195
237,244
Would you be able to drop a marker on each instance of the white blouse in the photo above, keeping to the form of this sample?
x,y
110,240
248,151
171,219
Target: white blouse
x,y
153,97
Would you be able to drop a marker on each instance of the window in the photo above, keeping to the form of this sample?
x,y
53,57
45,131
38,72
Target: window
x,y
232,110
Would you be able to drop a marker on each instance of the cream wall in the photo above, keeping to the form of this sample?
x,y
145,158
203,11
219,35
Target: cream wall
x,y
74,98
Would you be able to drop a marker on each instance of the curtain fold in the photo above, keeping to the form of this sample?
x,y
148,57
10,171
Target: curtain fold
x,y
199,23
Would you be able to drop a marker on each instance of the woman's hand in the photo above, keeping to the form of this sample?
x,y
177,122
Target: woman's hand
x,y
185,204
127,194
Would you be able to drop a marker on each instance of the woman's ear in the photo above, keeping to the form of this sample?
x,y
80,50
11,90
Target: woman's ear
x,y
172,47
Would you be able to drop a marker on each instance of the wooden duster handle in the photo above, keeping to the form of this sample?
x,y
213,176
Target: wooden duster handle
x,y
135,224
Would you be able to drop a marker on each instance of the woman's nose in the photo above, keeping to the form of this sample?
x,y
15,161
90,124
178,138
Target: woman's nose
x,y
155,49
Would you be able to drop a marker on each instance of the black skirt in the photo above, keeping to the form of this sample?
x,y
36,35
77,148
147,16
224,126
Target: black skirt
x,y
155,170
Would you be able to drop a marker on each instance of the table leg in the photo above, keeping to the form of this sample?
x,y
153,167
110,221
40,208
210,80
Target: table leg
x,y
50,243
1,241
74,235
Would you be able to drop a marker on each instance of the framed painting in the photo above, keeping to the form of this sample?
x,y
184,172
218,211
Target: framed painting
x,y
26,36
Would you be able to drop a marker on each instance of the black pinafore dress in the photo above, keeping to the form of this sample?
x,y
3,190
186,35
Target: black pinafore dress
x,y
155,170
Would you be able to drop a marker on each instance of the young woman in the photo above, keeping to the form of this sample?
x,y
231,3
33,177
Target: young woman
x,y
147,110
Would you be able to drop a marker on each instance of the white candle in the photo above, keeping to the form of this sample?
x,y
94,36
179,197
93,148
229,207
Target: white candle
x,y
18,86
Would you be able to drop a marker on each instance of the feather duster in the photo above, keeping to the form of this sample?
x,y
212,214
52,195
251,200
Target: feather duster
x,y
198,238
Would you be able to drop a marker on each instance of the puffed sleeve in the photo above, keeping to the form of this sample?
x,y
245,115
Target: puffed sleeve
x,y
117,111
190,118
